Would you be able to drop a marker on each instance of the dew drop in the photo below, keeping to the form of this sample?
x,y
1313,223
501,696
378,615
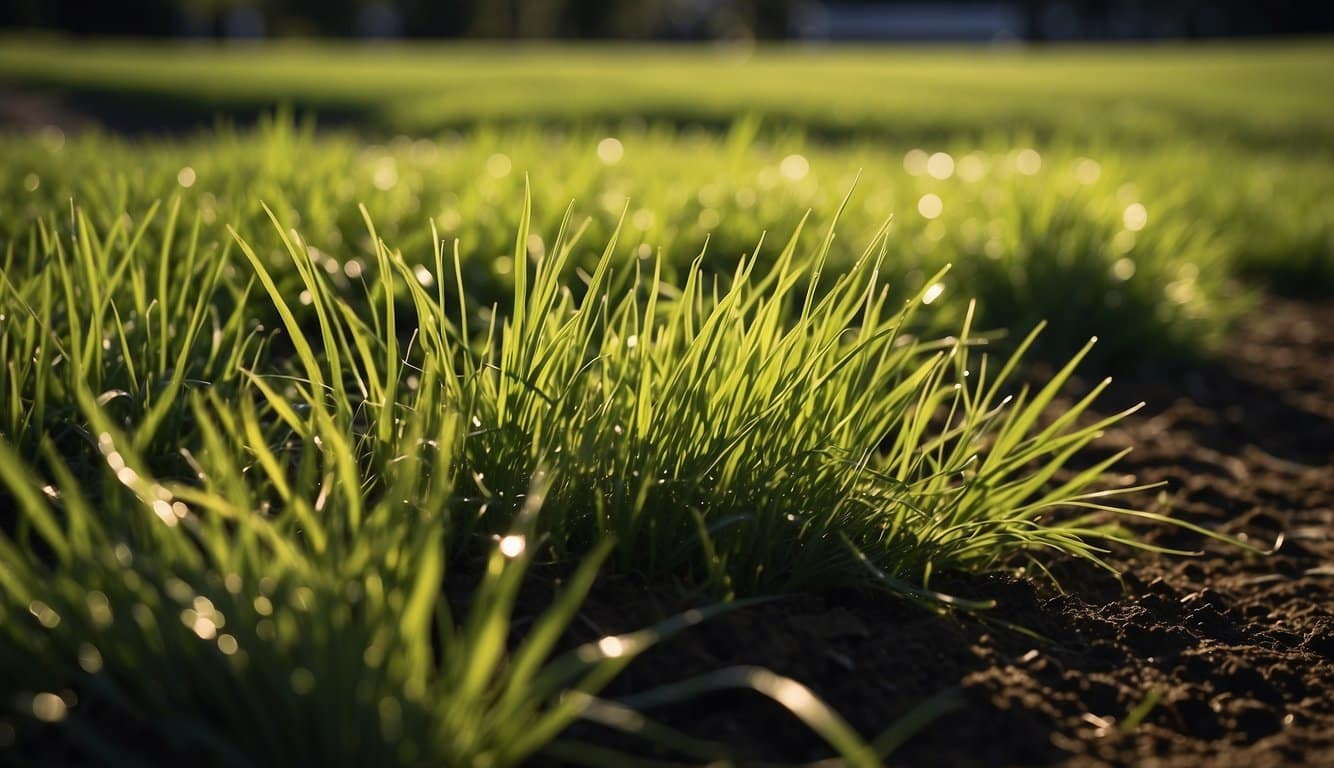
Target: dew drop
x,y
49,708
610,150
794,167
940,166
513,545
930,206
498,165
611,646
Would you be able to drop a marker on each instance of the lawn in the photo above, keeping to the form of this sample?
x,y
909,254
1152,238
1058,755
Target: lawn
x,y
337,436
1257,94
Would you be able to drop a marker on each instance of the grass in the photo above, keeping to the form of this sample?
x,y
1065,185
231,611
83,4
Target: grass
x,y
243,511
288,416
1234,137
1031,236
1260,94
661,409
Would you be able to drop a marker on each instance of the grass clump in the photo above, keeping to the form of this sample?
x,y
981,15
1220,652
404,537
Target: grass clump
x,y
713,429
726,431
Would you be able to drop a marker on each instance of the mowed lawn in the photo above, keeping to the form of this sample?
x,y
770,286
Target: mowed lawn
x,y
1253,92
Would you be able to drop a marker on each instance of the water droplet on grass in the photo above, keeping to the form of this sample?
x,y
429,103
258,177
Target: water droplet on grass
x,y
45,614
914,162
498,165
610,150
611,646
1028,161
49,708
1087,171
90,659
940,166
513,545
1135,217
794,167
930,206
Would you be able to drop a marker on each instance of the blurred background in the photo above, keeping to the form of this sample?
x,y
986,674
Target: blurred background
x,y
851,20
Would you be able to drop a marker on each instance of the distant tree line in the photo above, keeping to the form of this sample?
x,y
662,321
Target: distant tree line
x,y
633,19
502,19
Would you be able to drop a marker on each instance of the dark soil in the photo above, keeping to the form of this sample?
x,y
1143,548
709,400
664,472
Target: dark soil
x,y
1222,659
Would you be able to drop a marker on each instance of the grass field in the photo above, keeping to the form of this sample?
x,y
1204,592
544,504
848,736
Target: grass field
x,y
1257,94
750,322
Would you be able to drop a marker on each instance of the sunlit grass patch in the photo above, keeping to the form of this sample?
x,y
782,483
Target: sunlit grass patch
x,y
716,429
247,466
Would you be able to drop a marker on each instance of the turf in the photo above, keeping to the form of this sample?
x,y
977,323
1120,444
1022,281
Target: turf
x,y
272,393
1256,93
